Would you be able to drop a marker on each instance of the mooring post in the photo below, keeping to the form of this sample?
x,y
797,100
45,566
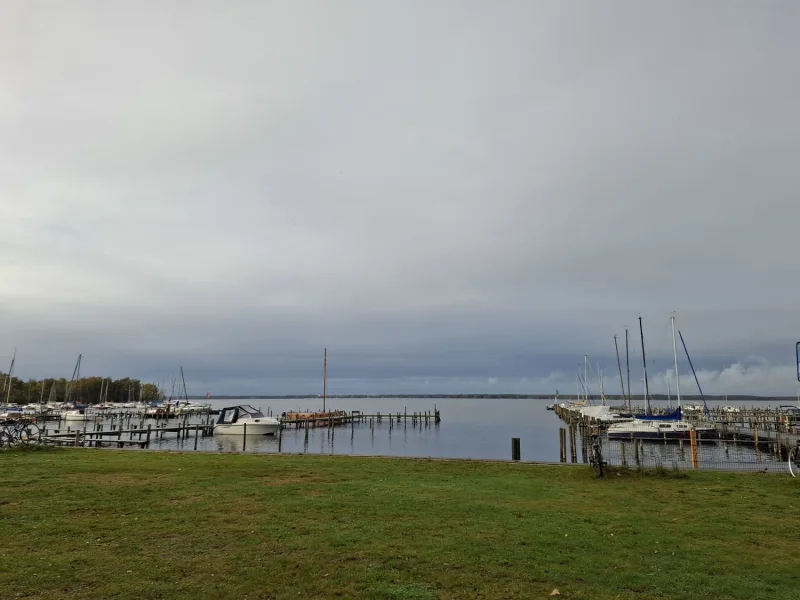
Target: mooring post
x,y
196,435
562,444
147,440
755,444
515,449
572,447
244,437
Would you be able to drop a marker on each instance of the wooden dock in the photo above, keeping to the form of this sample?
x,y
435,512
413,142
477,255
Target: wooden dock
x,y
117,435
343,418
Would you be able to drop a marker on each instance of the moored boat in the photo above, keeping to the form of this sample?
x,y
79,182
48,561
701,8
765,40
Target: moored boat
x,y
238,420
659,430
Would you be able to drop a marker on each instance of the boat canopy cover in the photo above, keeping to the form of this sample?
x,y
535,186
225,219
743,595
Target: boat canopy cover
x,y
232,413
675,416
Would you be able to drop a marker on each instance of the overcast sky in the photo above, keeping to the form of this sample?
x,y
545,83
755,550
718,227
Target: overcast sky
x,y
449,196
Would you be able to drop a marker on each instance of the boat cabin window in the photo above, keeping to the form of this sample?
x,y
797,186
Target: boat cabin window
x,y
253,412
664,426
228,416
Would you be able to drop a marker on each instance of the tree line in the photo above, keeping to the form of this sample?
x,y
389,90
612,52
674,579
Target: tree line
x,y
87,390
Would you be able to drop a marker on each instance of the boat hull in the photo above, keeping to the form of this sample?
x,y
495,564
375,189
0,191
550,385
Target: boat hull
x,y
661,436
254,427
69,417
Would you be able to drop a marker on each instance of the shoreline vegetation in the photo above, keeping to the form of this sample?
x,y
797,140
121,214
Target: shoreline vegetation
x,y
175,525
84,390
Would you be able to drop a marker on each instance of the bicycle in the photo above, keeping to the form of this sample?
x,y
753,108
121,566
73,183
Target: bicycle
x,y
596,454
794,460
20,431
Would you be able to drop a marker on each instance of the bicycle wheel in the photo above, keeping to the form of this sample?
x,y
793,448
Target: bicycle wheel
x,y
6,438
29,434
794,461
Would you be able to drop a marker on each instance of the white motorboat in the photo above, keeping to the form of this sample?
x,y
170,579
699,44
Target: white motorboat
x,y
79,414
238,420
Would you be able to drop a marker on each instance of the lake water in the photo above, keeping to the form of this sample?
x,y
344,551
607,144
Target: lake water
x,y
470,428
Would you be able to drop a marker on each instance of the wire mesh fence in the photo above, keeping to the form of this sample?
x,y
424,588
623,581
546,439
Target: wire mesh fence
x,y
755,451
708,454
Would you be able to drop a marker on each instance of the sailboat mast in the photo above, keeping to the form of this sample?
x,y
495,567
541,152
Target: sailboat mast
x,y
183,379
697,381
644,364
619,370
677,374
586,377
669,392
628,365
8,378
602,389
324,378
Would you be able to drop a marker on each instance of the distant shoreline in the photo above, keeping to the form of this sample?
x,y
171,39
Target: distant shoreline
x,y
609,398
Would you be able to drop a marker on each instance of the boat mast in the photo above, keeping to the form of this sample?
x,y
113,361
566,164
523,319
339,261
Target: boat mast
x,y
677,374
697,381
8,377
619,370
669,391
183,379
648,411
628,365
324,378
602,390
585,377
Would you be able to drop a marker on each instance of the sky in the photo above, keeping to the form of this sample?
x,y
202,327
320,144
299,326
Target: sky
x,y
451,196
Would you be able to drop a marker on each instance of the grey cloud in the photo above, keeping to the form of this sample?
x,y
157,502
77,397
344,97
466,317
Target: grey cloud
x,y
448,193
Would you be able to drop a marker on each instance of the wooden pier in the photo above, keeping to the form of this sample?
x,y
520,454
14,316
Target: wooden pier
x,y
342,418
117,435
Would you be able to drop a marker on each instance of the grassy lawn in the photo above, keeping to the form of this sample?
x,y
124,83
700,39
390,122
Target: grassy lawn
x,y
95,524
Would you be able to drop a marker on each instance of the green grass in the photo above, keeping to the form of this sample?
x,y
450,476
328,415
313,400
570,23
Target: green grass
x,y
93,524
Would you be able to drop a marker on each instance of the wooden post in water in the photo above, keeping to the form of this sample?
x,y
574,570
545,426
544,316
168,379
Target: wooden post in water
x,y
244,437
515,449
196,432
562,444
755,444
324,378
147,440
693,442
573,451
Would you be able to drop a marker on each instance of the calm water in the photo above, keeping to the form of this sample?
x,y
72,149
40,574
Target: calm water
x,y
470,428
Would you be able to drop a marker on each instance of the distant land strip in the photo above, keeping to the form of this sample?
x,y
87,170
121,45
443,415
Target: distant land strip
x,y
609,397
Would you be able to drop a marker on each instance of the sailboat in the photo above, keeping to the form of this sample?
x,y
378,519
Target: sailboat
x,y
324,414
661,427
78,412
